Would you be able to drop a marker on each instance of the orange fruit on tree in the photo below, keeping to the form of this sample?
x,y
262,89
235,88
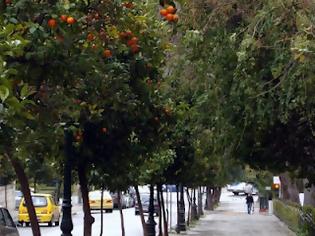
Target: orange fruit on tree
x,y
169,17
132,41
129,34
90,37
123,35
70,20
175,18
104,130
163,12
135,48
107,53
171,9
63,18
52,23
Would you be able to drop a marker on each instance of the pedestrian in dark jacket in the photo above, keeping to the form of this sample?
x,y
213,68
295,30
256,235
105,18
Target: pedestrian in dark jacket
x,y
249,202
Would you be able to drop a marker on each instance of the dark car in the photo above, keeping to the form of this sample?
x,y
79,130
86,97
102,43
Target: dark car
x,y
7,226
145,200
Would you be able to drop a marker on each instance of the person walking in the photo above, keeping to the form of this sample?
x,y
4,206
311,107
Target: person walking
x,y
249,202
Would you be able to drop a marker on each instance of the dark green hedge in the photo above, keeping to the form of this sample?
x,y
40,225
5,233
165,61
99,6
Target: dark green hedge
x,y
290,213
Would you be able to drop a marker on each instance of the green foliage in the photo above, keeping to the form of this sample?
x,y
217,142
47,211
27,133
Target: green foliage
x,y
288,214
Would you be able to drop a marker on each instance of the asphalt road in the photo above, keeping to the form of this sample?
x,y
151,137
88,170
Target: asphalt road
x,y
111,222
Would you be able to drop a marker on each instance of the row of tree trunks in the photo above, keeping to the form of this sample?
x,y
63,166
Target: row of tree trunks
x,y
25,188
213,195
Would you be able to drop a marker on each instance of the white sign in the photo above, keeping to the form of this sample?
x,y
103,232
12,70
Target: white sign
x,y
276,180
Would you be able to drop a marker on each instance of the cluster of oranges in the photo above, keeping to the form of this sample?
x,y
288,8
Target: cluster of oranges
x,y
130,40
52,23
169,13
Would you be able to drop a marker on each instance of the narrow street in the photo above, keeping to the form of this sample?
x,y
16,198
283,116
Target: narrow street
x,y
111,221
231,218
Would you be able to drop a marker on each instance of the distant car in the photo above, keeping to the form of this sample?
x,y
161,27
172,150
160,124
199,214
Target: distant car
x,y
47,211
145,200
7,226
127,200
95,200
242,187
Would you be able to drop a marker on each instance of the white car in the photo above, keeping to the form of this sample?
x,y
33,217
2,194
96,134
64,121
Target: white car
x,y
242,187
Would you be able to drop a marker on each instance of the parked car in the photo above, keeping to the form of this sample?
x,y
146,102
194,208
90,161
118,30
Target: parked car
x,y
145,200
7,226
242,187
95,199
47,210
127,200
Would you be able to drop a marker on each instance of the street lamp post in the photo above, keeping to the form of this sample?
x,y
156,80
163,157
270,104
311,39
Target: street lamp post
x,y
181,224
150,224
66,222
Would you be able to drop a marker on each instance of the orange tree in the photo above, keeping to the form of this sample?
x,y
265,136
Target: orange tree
x,y
79,62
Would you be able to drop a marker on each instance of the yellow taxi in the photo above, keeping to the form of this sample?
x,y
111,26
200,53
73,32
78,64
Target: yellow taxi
x,y
95,201
47,211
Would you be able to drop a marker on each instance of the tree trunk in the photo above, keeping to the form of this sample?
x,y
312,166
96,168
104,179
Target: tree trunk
x,y
5,196
141,210
289,188
160,211
209,201
121,214
35,184
25,188
200,208
164,212
189,205
309,195
102,208
88,219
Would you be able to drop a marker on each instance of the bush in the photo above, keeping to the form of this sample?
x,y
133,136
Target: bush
x,y
288,214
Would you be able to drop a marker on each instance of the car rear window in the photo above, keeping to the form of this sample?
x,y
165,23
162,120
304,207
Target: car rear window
x,y
38,201
97,195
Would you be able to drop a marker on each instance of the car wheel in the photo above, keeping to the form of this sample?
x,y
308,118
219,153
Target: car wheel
x,y
50,224
235,193
27,224
57,223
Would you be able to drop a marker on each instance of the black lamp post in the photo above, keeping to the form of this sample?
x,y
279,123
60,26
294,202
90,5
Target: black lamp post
x,y
66,222
181,224
150,224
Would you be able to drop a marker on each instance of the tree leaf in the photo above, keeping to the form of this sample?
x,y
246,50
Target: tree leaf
x,y
4,93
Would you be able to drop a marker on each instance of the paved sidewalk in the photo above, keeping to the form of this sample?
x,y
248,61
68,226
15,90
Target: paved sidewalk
x,y
230,218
